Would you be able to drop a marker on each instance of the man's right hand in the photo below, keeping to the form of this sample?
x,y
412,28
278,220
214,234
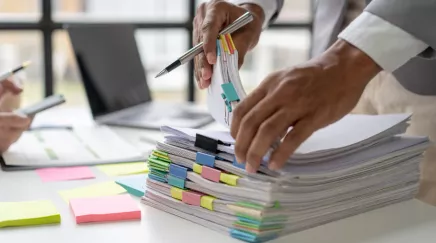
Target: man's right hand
x,y
210,19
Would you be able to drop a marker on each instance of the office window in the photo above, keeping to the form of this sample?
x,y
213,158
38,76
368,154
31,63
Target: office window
x,y
33,29
17,47
121,11
20,10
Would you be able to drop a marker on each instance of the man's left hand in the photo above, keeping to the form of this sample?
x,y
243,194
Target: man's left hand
x,y
306,98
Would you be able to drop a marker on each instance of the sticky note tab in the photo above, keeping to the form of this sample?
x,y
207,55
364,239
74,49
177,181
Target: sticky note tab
x,y
177,182
158,164
124,168
191,198
239,165
108,208
229,179
229,43
197,168
224,43
177,193
96,190
178,171
232,43
211,174
135,185
230,92
205,159
218,51
28,213
207,202
65,173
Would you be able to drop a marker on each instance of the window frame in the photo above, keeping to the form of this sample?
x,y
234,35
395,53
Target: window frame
x,y
47,26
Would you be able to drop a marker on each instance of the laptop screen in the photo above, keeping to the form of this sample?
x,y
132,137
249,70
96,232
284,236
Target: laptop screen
x,y
110,66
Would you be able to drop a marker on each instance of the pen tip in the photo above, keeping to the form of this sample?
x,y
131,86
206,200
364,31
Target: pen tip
x,y
26,63
161,73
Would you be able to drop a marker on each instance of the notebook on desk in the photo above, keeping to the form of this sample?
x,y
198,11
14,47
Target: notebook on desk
x,y
87,145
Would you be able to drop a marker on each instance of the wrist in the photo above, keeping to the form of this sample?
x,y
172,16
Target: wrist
x,y
357,65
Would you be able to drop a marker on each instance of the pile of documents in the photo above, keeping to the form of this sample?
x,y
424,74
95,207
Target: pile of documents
x,y
355,165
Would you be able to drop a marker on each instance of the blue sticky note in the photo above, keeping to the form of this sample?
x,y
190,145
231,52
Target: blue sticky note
x,y
134,185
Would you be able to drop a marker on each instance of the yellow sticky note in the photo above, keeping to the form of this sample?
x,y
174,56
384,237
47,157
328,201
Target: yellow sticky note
x,y
28,213
207,202
96,190
176,193
229,179
124,168
197,168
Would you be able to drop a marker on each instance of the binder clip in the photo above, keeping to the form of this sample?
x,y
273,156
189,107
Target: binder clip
x,y
206,143
229,95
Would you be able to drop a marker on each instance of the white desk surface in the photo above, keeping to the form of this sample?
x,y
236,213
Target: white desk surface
x,y
406,222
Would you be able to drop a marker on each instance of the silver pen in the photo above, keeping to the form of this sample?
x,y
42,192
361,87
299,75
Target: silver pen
x,y
189,55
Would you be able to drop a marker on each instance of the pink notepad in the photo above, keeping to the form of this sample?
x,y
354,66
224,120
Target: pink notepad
x,y
65,173
109,208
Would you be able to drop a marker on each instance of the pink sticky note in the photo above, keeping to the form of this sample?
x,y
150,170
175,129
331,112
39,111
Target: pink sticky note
x,y
65,173
109,208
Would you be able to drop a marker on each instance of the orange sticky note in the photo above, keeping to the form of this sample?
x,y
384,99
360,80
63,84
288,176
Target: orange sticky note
x,y
109,208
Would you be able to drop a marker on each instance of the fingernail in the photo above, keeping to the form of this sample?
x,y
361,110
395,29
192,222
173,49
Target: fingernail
x,y
239,161
203,71
249,168
211,58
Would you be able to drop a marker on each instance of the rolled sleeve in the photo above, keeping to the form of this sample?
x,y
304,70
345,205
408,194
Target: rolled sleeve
x,y
388,45
269,8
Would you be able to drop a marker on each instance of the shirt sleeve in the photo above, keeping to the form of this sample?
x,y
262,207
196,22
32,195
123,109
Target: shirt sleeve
x,y
269,8
388,45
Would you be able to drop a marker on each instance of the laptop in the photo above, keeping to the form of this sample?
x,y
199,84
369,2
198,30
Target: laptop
x,y
115,81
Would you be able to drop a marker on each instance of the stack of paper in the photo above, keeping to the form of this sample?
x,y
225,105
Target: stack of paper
x,y
358,164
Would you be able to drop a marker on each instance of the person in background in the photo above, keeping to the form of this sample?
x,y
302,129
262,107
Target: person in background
x,y
367,57
12,124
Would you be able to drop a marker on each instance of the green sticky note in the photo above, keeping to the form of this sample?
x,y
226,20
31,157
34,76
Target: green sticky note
x,y
28,213
124,168
96,190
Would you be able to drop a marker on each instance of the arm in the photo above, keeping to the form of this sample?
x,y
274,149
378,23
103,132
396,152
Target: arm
x,y
392,32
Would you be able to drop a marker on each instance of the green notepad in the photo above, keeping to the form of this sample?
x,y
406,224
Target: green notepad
x,y
28,213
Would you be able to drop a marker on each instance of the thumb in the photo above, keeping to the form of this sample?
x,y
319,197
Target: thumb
x,y
14,120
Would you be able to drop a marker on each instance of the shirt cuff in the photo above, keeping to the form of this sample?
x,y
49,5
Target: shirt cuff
x,y
269,8
388,45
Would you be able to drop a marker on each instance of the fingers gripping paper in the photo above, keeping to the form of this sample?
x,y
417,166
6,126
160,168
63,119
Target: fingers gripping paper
x,y
225,90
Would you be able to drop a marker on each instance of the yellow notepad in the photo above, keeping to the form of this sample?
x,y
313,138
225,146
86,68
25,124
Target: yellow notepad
x,y
28,213
96,190
124,168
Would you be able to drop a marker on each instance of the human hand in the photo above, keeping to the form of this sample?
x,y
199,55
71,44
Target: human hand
x,y
10,91
210,19
12,125
306,98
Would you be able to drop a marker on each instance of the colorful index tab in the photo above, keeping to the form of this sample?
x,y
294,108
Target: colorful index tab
x,y
211,174
177,182
218,51
229,44
224,43
178,171
207,202
197,168
229,179
191,198
177,193
205,159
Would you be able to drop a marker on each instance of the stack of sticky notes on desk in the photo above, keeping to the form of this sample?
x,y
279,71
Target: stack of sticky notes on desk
x,y
28,213
355,165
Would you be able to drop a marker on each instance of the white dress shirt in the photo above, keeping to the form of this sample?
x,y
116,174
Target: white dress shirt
x,y
388,45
